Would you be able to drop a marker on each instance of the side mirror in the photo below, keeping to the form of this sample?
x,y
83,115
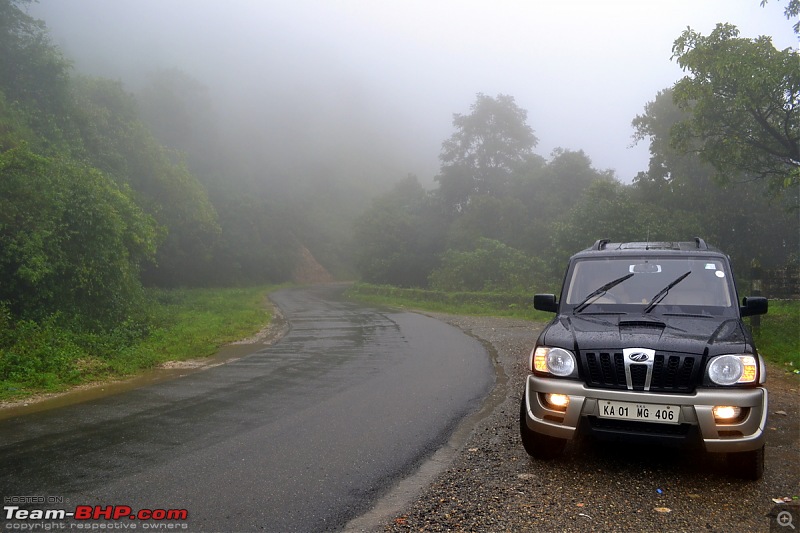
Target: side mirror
x,y
751,305
545,302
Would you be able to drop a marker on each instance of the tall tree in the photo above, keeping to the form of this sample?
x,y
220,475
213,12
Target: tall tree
x,y
32,69
398,239
549,193
490,145
608,209
737,217
118,143
485,216
36,102
744,99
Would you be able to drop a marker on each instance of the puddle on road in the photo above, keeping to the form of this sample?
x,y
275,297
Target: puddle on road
x,y
167,371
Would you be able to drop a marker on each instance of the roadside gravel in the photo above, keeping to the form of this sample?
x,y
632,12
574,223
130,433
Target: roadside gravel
x,y
492,484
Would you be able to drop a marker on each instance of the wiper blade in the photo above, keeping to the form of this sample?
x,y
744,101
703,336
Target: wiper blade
x,y
597,292
663,292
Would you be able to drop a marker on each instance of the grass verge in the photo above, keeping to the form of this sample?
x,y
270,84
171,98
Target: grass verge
x,y
457,303
778,339
183,324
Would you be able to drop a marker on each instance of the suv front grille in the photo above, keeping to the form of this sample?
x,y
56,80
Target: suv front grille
x,y
671,373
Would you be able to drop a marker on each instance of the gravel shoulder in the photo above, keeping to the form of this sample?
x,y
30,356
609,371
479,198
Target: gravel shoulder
x,y
492,485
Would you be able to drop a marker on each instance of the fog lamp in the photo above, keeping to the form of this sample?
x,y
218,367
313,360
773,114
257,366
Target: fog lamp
x,y
726,413
559,401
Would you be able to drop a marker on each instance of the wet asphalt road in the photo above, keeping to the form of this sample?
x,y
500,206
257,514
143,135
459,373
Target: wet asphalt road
x,y
299,436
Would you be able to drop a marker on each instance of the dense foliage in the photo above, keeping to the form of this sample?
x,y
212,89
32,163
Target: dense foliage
x,y
104,192
73,234
505,219
71,240
93,208
491,267
743,96
94,188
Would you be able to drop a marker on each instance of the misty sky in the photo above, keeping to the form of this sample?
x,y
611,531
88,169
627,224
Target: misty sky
x,y
389,74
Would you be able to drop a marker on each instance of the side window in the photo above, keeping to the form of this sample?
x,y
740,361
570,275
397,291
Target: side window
x,y
574,284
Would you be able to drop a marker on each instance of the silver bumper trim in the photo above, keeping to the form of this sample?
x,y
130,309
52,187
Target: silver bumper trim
x,y
695,409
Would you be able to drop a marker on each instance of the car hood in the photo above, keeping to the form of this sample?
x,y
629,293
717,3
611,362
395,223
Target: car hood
x,y
690,335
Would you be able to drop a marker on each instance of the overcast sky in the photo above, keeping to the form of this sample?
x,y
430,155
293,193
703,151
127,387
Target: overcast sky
x,y
398,70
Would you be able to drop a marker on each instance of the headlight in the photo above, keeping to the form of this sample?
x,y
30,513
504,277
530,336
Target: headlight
x,y
556,361
732,369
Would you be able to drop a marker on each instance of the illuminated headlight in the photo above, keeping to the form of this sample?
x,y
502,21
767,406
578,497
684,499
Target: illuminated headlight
x,y
556,361
732,369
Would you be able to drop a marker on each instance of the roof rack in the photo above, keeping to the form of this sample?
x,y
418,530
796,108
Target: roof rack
x,y
697,243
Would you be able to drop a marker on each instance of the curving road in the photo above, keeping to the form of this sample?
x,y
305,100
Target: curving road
x,y
299,436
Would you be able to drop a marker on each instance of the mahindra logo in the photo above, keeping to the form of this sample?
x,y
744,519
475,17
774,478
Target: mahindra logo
x,y
638,357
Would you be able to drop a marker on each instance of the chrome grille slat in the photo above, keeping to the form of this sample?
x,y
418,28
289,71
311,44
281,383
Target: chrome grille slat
x,y
671,372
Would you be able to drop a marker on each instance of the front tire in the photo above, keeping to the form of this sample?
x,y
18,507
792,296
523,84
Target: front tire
x,y
537,445
747,465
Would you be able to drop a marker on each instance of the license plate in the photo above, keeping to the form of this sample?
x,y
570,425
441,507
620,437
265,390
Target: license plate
x,y
645,412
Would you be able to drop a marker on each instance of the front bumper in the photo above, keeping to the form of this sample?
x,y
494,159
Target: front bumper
x,y
695,412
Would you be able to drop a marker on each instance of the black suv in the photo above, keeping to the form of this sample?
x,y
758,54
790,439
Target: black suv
x,y
648,343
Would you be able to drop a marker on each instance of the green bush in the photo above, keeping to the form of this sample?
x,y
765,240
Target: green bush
x,y
71,241
41,355
53,353
490,267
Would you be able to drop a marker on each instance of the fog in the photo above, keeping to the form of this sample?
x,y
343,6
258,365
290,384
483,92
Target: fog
x,y
367,89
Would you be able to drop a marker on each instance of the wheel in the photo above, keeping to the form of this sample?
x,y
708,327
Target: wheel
x,y
537,445
747,465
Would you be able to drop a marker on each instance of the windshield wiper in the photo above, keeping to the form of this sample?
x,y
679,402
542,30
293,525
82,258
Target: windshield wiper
x,y
663,292
597,292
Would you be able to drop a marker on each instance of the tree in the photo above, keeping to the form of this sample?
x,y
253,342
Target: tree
x,y
36,99
398,239
676,178
32,69
71,241
740,218
743,96
608,209
549,193
256,243
485,216
791,11
489,146
118,143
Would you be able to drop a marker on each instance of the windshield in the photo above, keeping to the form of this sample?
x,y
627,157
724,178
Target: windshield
x,y
654,285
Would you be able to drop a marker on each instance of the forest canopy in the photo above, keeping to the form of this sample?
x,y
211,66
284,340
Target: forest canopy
x,y
107,191
506,219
